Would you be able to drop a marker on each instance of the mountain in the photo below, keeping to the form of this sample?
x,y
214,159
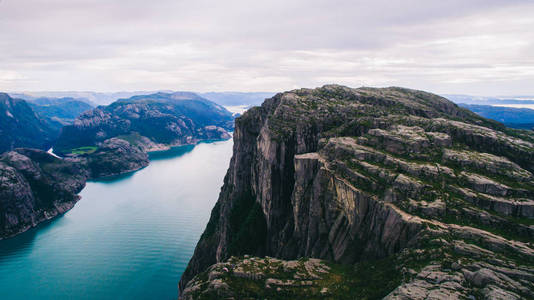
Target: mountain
x,y
44,101
366,193
59,112
222,98
98,98
151,121
521,118
20,126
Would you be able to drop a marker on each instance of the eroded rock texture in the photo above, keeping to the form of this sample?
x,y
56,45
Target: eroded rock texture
x,y
359,175
36,186
113,157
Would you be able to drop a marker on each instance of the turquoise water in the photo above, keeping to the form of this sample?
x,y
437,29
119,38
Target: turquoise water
x,y
127,238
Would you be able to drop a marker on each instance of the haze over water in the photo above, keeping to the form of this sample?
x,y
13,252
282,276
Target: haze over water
x,y
127,238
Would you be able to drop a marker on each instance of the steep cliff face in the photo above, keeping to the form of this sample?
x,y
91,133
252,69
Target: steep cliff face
x,y
35,186
151,121
355,175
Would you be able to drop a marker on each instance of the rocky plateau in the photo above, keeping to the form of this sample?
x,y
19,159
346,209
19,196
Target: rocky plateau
x,y
342,193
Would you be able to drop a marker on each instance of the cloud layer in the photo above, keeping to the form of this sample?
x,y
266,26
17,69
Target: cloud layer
x,y
481,47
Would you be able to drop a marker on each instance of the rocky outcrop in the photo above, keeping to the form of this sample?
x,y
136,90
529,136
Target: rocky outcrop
x,y
36,186
113,157
152,122
361,175
267,278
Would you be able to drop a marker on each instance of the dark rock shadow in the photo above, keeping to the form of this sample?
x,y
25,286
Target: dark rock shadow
x,y
24,242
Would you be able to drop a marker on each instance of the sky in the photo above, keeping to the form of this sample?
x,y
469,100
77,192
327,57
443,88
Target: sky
x,y
477,47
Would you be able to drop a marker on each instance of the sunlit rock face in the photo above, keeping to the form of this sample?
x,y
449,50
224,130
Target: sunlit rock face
x,y
359,175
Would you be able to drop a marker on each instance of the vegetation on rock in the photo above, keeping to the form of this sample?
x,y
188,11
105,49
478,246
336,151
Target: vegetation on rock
x,y
363,176
158,120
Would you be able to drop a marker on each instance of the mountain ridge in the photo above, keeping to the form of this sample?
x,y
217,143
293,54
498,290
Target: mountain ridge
x,y
20,126
519,118
153,121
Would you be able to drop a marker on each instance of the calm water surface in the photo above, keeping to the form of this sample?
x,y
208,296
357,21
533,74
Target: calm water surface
x,y
128,238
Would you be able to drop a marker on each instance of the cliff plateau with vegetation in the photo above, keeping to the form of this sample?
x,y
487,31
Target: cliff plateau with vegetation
x,y
348,193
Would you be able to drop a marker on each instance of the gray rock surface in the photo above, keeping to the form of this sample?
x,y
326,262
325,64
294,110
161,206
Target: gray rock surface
x,y
113,157
35,186
356,175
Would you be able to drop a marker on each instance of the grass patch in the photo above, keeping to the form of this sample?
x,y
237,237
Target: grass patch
x,y
84,150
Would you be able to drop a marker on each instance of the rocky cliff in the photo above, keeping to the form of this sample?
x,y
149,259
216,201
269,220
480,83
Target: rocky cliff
x,y
403,186
152,122
34,187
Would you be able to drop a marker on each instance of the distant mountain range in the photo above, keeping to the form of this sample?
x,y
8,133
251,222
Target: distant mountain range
x,y
94,98
521,118
20,126
59,112
98,98
36,119
511,100
152,122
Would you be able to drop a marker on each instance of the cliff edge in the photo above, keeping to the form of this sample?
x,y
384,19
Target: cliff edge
x,y
361,176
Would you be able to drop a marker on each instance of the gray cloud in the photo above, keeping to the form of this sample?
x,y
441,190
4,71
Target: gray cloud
x,y
477,46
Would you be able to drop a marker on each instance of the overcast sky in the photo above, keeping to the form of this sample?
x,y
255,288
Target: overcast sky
x,y
480,47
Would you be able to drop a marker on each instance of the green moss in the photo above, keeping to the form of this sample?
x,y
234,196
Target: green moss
x,y
372,279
